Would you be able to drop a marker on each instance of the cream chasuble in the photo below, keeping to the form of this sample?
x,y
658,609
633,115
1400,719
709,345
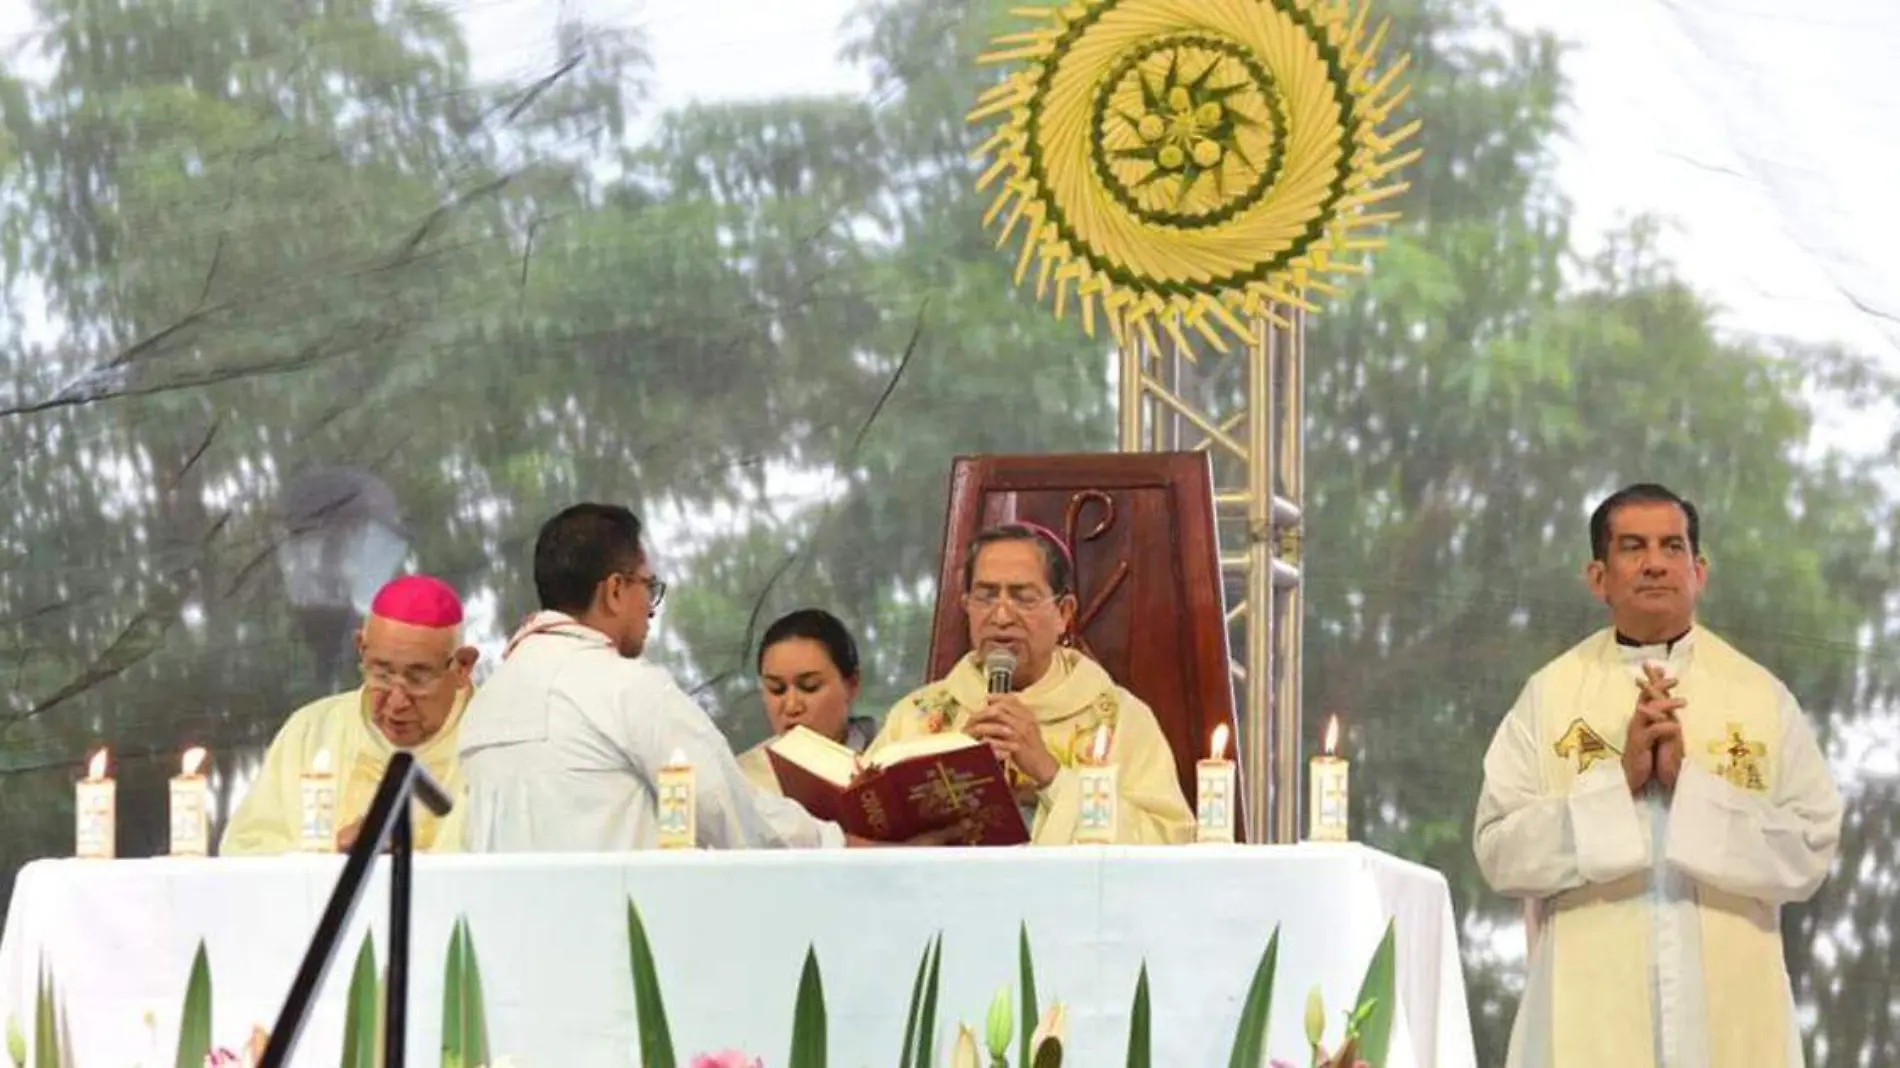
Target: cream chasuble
x,y
270,817
1654,919
563,744
1074,698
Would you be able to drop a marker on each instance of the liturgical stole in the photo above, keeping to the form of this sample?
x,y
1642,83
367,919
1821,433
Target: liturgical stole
x,y
1601,934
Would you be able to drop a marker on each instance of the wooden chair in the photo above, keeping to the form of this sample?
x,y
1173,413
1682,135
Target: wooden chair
x,y
1149,601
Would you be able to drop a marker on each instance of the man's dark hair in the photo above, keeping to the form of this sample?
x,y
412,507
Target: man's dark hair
x,y
1056,568
578,549
1639,493
818,625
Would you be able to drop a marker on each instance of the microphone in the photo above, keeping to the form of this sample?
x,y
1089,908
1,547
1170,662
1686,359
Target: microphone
x,y
999,665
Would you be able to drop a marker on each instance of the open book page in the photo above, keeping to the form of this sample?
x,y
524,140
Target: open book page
x,y
817,754
927,745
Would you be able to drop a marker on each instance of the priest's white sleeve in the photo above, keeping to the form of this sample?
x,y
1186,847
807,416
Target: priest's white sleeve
x,y
795,827
1533,844
1774,847
732,814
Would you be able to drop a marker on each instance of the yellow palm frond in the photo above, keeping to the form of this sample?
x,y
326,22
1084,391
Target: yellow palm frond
x,y
1200,162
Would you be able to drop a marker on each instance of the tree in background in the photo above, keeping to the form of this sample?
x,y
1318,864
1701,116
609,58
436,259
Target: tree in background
x,y
263,241
270,239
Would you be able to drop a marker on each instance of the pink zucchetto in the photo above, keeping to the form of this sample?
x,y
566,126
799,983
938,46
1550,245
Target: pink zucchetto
x,y
418,600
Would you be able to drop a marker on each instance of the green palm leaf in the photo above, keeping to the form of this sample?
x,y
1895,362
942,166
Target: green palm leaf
x,y
464,1020
1378,999
1138,1043
194,1022
656,1041
453,1055
808,1018
1030,1011
924,969
46,1022
1250,1035
363,1007
927,1023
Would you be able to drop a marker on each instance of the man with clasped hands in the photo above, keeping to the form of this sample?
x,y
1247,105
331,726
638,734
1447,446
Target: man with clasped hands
x,y
1655,796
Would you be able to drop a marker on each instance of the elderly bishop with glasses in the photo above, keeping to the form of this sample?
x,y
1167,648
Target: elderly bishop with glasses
x,y
415,683
1018,594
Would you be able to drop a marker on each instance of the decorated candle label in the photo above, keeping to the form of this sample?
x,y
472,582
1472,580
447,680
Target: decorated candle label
x,y
1214,796
319,813
677,805
1098,805
98,816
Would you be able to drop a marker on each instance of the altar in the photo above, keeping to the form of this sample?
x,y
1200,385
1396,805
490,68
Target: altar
x,y
730,932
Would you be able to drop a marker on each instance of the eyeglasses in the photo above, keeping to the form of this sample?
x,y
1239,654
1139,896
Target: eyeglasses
x,y
414,681
655,585
984,601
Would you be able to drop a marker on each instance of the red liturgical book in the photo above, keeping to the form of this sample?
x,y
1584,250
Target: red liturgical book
x,y
916,786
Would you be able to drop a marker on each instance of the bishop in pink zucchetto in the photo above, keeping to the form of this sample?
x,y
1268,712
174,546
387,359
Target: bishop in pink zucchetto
x,y
419,600
415,684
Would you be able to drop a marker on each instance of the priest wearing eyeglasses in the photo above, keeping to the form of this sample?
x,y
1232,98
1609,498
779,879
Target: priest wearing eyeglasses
x,y
415,683
563,746
1019,596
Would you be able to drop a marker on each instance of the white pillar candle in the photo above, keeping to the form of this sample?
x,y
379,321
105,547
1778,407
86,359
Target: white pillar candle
x,y
96,809
1327,780
1100,794
678,805
191,824
319,806
1214,780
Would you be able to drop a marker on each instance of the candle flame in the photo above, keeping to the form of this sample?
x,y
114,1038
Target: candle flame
x,y
1218,746
1331,747
678,759
320,764
1100,749
193,760
96,768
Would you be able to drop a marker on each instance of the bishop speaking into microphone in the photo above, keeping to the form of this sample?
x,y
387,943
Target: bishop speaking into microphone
x,y
1044,707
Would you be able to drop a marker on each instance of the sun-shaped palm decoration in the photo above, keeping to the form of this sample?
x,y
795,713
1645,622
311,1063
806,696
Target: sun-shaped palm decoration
x,y
1180,145
1191,163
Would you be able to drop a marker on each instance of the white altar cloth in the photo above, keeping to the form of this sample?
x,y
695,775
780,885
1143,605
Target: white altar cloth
x,y
730,931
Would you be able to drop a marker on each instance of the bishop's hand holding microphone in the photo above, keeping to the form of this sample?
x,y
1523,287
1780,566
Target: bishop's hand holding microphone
x,y
1008,725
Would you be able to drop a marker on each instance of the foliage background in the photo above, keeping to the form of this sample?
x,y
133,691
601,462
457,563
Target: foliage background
x,y
244,240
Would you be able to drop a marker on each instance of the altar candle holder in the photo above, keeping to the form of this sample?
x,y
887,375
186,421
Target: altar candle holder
x,y
191,824
1097,780
678,803
319,806
1327,780
1214,792
96,808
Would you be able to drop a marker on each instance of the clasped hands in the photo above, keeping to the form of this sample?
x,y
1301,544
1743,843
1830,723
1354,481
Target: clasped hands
x,y
1652,749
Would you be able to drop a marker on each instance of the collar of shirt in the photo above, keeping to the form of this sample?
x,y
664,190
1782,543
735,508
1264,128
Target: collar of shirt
x,y
554,623
1668,647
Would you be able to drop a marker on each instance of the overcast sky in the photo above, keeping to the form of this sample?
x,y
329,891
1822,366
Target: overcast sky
x,y
1762,130
1767,137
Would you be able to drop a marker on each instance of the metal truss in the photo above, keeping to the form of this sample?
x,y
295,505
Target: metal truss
x,y
1245,410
